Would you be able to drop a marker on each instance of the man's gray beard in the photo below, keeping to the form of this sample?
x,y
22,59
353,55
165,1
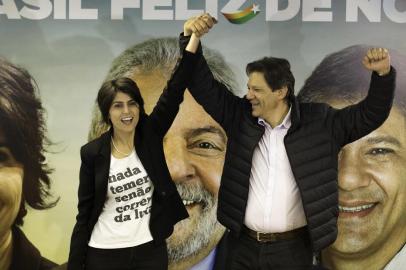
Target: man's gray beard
x,y
206,224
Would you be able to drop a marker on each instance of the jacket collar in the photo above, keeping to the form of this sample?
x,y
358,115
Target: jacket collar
x,y
295,114
105,149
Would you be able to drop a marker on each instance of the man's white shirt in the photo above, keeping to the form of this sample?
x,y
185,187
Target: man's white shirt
x,y
274,202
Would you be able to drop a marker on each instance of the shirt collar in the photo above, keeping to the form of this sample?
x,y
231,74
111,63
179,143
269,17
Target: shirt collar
x,y
286,123
207,263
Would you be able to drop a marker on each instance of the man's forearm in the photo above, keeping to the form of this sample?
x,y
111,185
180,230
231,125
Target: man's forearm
x,y
193,44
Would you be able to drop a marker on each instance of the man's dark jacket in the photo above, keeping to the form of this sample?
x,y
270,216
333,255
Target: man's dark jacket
x,y
312,143
167,207
221,253
26,256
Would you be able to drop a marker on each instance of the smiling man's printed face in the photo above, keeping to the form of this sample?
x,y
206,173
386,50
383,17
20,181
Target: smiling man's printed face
x,y
195,148
372,188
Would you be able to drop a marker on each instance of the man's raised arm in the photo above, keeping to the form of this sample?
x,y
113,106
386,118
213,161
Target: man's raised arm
x,y
214,97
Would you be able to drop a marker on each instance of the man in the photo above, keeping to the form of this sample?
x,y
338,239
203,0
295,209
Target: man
x,y
278,193
372,171
194,149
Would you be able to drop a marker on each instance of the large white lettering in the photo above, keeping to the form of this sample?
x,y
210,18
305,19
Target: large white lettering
x,y
392,13
311,15
370,8
233,6
9,8
76,11
150,11
275,10
212,7
118,6
183,13
42,11
59,9
274,14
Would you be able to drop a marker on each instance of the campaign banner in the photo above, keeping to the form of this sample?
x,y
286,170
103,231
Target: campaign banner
x,y
70,47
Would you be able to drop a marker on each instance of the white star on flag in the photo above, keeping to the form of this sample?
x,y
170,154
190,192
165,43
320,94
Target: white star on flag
x,y
255,8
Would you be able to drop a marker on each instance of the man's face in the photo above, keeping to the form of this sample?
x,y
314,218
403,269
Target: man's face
x,y
372,188
194,147
11,180
263,100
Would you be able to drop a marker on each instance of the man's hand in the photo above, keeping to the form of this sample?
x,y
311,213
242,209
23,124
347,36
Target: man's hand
x,y
377,59
199,25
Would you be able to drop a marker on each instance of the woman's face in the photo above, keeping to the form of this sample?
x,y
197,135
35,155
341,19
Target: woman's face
x,y
124,113
11,182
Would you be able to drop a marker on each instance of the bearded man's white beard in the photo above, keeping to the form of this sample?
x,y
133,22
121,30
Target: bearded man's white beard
x,y
203,227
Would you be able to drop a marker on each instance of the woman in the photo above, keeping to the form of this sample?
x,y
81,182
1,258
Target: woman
x,y
24,174
128,203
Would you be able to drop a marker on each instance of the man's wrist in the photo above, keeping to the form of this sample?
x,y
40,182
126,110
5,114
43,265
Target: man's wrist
x,y
383,72
187,33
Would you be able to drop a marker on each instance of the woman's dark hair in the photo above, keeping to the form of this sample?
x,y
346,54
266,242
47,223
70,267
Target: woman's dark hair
x,y
276,72
109,90
22,122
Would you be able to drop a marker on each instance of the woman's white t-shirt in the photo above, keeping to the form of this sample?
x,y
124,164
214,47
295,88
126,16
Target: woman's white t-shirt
x,y
124,220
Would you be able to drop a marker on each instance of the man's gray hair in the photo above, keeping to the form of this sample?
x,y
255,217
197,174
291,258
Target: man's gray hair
x,y
161,54
341,76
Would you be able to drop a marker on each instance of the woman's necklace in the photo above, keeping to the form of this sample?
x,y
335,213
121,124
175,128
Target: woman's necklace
x,y
115,147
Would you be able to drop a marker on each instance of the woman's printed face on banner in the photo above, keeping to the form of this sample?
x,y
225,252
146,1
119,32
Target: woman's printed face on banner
x,y
11,181
372,187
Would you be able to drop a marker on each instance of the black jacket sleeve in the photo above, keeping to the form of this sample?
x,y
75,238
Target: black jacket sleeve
x,y
167,107
353,122
81,234
214,97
